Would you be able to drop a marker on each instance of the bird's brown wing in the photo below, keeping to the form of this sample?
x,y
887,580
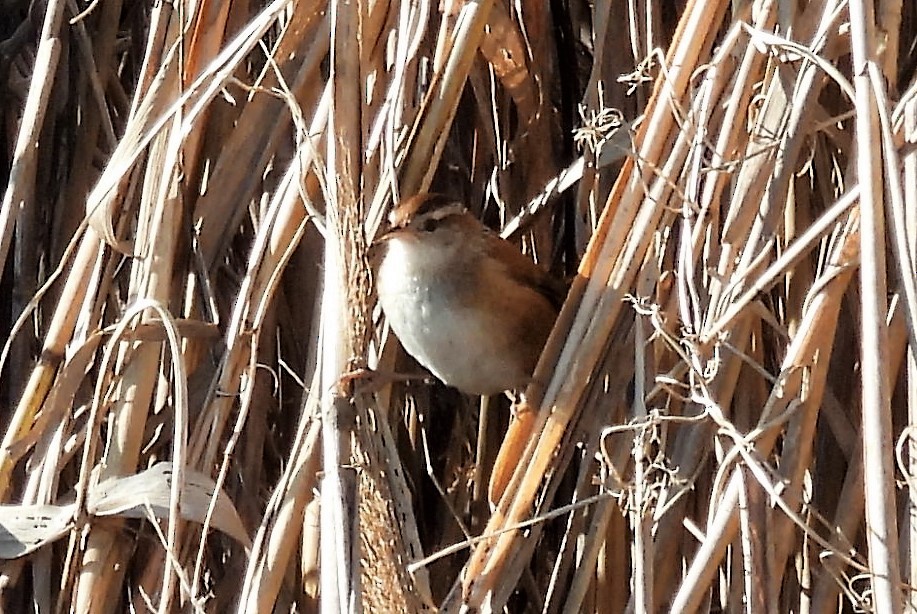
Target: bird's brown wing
x,y
526,272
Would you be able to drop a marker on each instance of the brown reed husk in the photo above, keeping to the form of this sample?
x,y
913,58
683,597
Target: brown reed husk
x,y
199,409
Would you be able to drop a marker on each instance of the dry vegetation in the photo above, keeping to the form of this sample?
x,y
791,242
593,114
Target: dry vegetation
x,y
726,409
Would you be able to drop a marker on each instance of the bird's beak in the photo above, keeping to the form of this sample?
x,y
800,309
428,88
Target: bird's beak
x,y
385,237
378,244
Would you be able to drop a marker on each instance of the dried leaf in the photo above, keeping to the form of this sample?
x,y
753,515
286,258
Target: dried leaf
x,y
25,528
134,495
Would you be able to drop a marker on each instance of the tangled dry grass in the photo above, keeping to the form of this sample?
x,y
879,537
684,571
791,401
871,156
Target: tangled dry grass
x,y
194,408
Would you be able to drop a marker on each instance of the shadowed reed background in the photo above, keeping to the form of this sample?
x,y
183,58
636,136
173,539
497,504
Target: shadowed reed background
x,y
196,389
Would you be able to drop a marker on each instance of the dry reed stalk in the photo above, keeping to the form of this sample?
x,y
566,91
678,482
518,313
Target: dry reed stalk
x,y
910,230
881,527
724,412
22,177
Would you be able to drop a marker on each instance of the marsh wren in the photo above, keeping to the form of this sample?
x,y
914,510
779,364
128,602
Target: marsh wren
x,y
464,302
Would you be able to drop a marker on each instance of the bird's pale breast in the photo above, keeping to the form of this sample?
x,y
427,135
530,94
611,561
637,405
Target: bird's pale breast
x,y
468,344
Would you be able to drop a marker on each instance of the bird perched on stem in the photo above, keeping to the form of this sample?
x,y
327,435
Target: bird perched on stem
x,y
464,302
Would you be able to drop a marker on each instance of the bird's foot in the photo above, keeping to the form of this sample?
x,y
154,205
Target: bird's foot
x,y
366,380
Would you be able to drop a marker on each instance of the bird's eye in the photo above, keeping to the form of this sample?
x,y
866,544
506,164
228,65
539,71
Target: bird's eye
x,y
428,225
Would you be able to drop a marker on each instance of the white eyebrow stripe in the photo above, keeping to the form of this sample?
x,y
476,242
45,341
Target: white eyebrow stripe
x,y
431,207
446,211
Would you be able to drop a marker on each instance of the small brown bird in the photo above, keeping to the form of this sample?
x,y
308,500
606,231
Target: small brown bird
x,y
463,302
